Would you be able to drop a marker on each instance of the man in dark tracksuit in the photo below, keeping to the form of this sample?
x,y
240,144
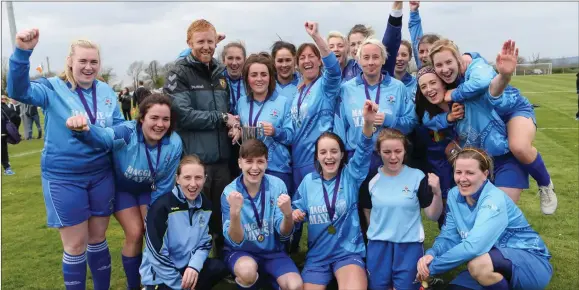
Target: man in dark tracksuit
x,y
577,115
201,102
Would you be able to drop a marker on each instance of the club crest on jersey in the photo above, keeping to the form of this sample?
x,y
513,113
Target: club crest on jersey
x,y
391,99
406,190
201,221
274,113
108,102
223,83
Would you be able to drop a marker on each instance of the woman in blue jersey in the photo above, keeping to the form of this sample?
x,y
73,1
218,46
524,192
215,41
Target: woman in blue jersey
x,y
485,229
396,108
284,59
395,232
233,57
328,200
474,80
401,69
481,126
390,40
257,218
77,179
314,104
177,235
264,107
146,154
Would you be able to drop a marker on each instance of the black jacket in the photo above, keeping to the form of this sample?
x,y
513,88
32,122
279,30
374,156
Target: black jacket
x,y
200,97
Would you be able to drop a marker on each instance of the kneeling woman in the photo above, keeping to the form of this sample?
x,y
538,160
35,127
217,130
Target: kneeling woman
x,y
146,154
395,232
257,218
335,243
178,239
485,229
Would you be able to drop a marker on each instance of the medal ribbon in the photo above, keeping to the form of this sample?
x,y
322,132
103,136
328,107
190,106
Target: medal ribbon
x,y
253,122
377,101
332,208
236,98
302,95
153,170
91,117
260,193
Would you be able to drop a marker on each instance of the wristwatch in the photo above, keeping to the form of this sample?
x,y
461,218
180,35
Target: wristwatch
x,y
224,117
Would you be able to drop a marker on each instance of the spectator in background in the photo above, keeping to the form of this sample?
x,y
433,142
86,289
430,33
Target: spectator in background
x,y
8,114
125,99
15,105
577,115
201,100
31,112
139,94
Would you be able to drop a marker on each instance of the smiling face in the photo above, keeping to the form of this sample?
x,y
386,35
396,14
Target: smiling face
x,y
446,65
253,169
258,78
309,64
337,45
423,50
191,178
284,64
392,152
329,156
85,64
402,59
233,61
468,176
202,45
156,122
432,88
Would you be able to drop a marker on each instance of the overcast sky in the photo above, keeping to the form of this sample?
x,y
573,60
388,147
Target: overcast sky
x,y
129,31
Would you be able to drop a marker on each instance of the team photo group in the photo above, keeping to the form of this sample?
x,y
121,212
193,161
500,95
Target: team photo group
x,y
221,174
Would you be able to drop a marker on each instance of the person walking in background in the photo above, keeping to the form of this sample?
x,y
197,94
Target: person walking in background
x,y
139,94
577,115
125,99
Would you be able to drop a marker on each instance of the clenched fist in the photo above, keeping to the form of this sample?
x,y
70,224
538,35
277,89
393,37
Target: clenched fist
x,y
434,183
284,202
77,123
311,28
27,39
235,200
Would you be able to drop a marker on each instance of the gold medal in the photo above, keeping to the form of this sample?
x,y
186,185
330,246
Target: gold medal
x,y
260,238
331,230
374,129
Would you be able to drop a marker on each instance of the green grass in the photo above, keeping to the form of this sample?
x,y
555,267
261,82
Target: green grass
x,y
32,253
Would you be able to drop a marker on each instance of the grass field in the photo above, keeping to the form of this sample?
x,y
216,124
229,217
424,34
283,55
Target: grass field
x,y
32,253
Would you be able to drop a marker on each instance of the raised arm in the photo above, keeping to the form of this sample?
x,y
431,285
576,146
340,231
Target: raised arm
x,y
415,27
477,80
359,165
18,85
110,138
506,64
231,210
331,77
393,37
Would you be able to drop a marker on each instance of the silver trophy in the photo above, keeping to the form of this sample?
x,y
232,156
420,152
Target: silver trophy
x,y
252,132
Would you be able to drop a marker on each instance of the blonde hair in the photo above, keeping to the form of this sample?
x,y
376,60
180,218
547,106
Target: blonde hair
x,y
445,44
336,34
376,42
67,75
366,31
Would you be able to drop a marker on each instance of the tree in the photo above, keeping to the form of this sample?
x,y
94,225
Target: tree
x,y
4,74
520,60
135,70
535,58
107,74
153,70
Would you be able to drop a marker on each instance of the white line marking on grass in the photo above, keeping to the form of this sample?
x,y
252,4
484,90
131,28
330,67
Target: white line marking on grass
x,y
24,153
576,128
551,92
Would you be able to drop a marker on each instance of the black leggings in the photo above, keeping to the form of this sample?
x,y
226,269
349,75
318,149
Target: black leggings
x,y
127,114
5,159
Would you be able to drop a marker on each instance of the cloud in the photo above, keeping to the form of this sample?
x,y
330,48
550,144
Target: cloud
x,y
129,31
